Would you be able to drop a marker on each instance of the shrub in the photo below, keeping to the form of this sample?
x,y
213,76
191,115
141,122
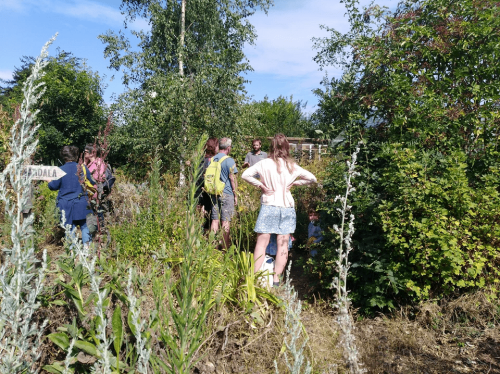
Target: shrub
x,y
442,233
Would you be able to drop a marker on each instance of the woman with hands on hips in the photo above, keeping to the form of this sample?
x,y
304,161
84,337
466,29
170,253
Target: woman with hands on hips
x,y
278,174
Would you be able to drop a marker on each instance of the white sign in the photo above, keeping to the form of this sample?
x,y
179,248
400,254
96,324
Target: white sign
x,y
44,172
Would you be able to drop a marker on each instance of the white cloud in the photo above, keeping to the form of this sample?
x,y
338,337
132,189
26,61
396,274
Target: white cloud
x,y
93,11
11,5
88,10
81,9
283,52
284,45
6,74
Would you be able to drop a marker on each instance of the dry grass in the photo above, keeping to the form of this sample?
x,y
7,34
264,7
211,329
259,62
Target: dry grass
x,y
458,336
238,344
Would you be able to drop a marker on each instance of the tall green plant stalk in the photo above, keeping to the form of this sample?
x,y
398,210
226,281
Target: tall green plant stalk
x,y
20,281
190,300
343,302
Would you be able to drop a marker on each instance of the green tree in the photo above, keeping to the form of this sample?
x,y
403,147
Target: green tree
x,y
72,108
420,91
184,78
279,115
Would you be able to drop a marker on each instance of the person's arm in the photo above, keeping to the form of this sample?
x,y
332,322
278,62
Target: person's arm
x,y
247,162
249,177
234,186
55,184
304,177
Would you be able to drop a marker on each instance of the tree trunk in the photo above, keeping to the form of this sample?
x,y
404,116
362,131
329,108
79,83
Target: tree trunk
x,y
183,32
182,177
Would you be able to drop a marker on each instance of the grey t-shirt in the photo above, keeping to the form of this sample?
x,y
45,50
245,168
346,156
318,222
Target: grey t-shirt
x,y
252,158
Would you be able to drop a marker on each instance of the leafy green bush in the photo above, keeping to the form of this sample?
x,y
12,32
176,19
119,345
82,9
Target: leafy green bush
x,y
426,110
442,233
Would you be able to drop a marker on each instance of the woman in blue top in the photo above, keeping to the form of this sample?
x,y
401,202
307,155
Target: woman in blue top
x,y
72,199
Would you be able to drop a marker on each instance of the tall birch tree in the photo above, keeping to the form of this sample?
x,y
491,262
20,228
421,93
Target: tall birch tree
x,y
184,77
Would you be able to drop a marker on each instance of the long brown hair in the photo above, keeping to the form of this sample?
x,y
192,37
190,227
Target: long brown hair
x,y
211,147
280,148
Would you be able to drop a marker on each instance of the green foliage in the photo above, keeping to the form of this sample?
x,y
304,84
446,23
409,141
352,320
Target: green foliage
x,y
46,213
281,115
81,335
5,125
71,109
153,227
243,287
169,106
419,91
443,234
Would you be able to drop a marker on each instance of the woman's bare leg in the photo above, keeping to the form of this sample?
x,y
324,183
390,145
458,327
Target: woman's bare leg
x,y
281,256
260,250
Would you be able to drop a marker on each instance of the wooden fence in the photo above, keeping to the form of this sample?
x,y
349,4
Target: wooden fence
x,y
308,148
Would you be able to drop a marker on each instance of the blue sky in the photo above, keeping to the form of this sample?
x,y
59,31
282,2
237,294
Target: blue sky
x,y
281,57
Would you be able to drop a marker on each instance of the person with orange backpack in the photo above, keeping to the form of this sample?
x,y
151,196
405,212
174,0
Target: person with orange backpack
x,y
220,183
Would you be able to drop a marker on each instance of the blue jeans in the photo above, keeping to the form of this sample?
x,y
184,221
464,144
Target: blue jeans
x,y
86,238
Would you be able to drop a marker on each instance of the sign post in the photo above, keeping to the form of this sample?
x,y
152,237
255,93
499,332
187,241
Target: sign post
x,y
40,172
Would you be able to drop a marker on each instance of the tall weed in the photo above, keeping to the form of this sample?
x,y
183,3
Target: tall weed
x,y
21,282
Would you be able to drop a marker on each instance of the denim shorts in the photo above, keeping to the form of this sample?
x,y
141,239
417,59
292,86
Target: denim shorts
x,y
222,207
275,220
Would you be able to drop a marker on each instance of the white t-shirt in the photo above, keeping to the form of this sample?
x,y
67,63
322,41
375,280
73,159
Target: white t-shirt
x,y
278,182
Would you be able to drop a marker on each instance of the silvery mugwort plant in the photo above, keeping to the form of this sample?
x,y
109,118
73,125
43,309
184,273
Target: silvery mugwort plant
x,y
69,358
20,281
343,302
87,258
83,255
143,353
293,326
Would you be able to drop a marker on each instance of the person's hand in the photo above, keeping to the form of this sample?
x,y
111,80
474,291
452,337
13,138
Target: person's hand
x,y
245,165
235,200
289,187
265,190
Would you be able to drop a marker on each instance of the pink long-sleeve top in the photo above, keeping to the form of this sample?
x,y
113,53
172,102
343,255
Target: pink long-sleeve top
x,y
98,169
278,182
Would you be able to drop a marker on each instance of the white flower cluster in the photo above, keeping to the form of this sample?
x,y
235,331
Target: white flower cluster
x,y
20,280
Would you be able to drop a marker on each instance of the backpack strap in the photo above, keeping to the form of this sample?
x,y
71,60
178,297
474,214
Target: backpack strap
x,y
222,159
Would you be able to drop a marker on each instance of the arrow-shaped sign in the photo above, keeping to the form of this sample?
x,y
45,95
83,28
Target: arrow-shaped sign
x,y
44,172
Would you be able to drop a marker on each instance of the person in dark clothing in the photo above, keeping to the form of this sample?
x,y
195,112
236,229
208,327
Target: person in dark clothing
x,y
204,202
72,198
